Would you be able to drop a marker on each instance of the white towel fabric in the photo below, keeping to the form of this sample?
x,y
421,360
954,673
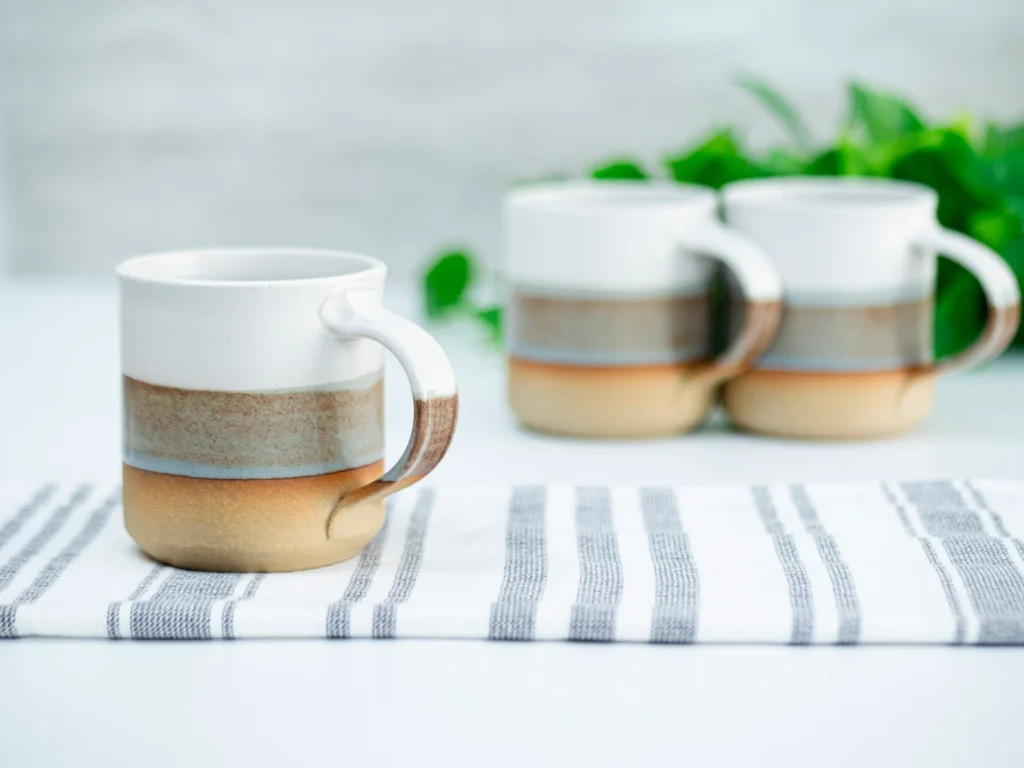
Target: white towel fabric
x,y
926,562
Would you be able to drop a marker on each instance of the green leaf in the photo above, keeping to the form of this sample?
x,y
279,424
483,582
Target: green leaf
x,y
995,228
999,139
844,159
779,106
714,162
491,317
880,116
1005,171
783,162
619,170
827,163
1013,254
1015,205
855,160
446,281
951,167
959,309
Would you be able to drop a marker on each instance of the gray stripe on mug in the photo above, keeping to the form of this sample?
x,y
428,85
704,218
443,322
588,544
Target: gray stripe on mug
x,y
247,435
801,600
994,584
60,516
514,613
54,569
843,589
338,623
852,338
677,582
385,614
945,580
600,587
114,609
605,330
16,522
182,609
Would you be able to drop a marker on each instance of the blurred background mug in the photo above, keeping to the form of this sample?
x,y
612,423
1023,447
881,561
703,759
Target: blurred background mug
x,y
609,325
853,356
253,406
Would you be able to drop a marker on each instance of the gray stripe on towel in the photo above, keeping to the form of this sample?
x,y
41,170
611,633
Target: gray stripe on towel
x,y
227,619
54,569
182,609
801,600
945,579
514,613
677,583
60,516
600,587
114,609
339,612
847,605
385,613
25,513
997,519
994,583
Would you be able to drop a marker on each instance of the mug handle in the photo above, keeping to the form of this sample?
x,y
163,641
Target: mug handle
x,y
360,314
760,285
1001,293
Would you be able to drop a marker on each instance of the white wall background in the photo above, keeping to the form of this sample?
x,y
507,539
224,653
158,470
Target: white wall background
x,y
392,126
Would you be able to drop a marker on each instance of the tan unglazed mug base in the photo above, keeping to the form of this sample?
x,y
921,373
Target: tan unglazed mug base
x,y
648,401
829,405
249,525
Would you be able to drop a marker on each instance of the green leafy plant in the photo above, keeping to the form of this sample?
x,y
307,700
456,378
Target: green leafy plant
x,y
446,288
977,171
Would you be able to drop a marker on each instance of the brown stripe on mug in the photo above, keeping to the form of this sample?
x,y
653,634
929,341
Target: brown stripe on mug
x,y
607,330
253,435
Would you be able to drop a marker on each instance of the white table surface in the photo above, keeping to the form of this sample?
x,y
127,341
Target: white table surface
x,y
375,703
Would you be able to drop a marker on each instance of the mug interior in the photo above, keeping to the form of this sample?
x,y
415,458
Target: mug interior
x,y
244,266
832,194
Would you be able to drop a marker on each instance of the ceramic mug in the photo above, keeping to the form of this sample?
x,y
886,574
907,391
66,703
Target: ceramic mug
x,y
608,326
853,354
253,406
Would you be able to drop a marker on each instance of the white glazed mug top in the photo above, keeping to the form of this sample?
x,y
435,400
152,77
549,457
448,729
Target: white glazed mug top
x,y
605,236
244,320
839,240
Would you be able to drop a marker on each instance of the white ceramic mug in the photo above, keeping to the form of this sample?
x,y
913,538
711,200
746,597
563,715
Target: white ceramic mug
x,y
253,406
854,353
608,330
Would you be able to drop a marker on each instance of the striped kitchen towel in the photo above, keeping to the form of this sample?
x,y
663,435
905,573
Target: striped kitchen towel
x,y
921,562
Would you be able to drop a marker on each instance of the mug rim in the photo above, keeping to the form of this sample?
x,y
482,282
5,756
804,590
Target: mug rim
x,y
818,194
142,268
591,197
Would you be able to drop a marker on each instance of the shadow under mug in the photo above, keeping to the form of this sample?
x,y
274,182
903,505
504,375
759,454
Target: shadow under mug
x,y
608,330
253,406
853,356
